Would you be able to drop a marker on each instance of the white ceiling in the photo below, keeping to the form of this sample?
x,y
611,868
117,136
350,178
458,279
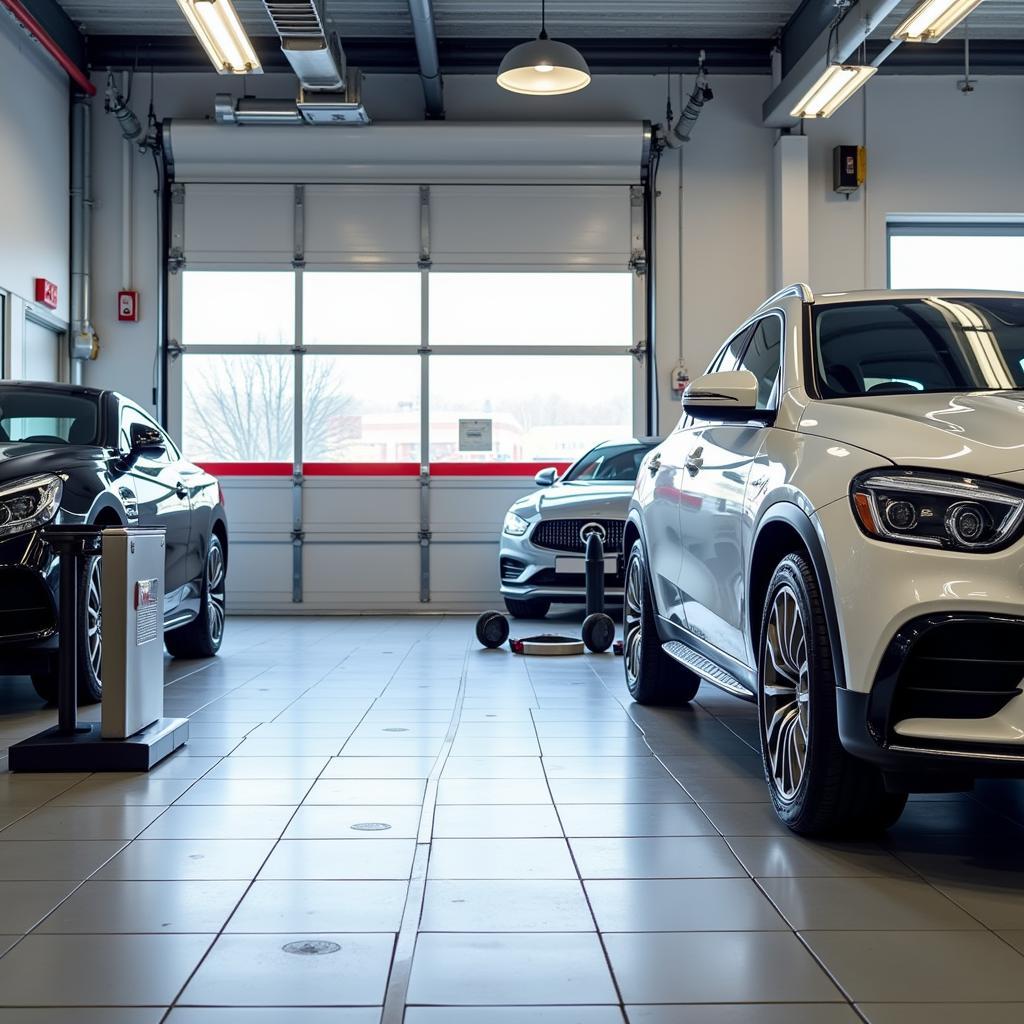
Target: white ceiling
x,y
506,19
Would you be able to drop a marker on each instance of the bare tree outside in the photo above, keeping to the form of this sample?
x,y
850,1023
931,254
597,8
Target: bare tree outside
x,y
242,410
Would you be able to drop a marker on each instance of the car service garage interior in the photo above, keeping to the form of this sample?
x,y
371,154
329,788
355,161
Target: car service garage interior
x,y
511,512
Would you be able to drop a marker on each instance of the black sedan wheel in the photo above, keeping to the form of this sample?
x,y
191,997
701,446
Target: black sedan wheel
x,y
202,637
90,642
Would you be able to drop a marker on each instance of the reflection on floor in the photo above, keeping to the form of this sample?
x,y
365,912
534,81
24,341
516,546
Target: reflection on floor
x,y
375,813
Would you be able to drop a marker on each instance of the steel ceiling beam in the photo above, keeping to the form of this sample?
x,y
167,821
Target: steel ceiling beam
x,y
455,55
859,23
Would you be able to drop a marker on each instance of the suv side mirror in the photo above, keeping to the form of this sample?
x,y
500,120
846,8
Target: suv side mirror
x,y
146,440
546,477
726,395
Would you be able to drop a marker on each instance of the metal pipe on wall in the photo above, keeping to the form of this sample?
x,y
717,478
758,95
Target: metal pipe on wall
x,y
127,191
82,333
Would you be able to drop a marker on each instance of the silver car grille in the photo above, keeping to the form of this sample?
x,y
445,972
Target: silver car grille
x,y
564,534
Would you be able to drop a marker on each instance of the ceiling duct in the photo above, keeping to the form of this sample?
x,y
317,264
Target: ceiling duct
x,y
314,54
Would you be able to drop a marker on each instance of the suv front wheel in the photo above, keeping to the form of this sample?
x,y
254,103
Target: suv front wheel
x,y
652,677
816,786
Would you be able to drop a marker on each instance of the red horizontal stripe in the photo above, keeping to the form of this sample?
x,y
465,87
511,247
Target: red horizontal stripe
x,y
493,468
361,468
439,469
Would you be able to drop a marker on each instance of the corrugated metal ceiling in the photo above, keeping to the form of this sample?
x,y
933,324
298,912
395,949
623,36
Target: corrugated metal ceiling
x,y
606,19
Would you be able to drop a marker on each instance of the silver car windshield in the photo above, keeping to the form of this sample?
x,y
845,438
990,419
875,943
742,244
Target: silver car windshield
x,y
613,463
917,346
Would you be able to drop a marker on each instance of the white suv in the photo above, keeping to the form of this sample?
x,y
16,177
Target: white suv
x,y
834,530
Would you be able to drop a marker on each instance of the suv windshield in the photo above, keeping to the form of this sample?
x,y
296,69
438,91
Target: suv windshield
x,y
618,463
47,417
905,346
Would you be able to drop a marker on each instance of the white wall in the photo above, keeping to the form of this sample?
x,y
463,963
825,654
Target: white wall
x,y
34,181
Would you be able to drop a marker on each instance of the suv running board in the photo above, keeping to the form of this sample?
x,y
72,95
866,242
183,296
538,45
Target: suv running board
x,y
706,669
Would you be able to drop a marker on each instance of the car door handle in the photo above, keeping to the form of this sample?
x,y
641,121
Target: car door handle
x,y
181,490
694,461
654,465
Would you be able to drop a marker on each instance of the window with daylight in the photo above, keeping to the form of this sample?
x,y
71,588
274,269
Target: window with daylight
x,y
542,408
957,255
551,309
542,356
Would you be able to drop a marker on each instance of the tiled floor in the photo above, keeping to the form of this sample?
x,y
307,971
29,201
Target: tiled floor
x,y
374,817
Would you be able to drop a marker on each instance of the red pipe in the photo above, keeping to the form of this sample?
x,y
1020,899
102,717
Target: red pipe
x,y
29,23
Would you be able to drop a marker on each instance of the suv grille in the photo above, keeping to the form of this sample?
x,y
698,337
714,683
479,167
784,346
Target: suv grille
x,y
564,534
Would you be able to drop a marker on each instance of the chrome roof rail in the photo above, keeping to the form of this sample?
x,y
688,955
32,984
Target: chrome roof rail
x,y
800,291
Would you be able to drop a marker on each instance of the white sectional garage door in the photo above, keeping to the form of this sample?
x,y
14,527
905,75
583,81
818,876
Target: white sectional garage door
x,y
342,299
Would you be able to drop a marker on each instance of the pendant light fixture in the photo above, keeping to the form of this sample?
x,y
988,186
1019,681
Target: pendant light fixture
x,y
543,66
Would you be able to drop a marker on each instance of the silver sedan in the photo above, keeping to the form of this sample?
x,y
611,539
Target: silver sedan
x,y
542,546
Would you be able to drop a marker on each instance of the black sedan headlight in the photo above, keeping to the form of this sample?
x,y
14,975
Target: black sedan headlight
x,y
936,510
29,503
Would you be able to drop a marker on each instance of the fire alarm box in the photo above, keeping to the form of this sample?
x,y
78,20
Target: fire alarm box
x,y
849,169
680,378
46,292
128,305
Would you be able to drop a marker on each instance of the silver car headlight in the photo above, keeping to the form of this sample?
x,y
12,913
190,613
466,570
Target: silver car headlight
x,y
935,510
29,503
515,525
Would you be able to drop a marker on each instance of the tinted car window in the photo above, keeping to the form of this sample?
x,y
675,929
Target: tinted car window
x,y
762,357
47,417
729,357
613,463
919,345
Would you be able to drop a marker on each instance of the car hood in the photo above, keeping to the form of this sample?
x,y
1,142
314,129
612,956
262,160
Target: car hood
x,y
18,460
577,500
978,433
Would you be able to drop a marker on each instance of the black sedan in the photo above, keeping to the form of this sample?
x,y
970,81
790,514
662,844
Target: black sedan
x,y
75,455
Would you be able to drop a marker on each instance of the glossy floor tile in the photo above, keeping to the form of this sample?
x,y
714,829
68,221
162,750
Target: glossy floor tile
x,y
374,817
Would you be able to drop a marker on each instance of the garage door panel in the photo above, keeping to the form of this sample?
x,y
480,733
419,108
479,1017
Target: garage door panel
x,y
357,224
464,567
475,505
239,224
257,505
351,572
371,504
530,225
259,573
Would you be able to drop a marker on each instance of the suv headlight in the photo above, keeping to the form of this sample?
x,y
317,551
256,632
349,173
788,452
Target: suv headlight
x,y
29,503
918,507
515,525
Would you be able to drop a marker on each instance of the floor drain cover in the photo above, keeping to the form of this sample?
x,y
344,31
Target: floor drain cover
x,y
371,826
311,947
395,728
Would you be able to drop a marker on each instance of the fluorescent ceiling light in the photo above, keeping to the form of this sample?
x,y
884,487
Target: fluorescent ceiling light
x,y
543,66
836,85
219,29
932,20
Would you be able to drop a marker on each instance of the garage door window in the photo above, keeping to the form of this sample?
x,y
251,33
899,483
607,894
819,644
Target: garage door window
x,y
361,308
550,309
364,345
238,408
359,408
540,408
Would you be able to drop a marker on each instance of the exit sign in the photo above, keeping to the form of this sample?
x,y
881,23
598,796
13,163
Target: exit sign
x,y
46,292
